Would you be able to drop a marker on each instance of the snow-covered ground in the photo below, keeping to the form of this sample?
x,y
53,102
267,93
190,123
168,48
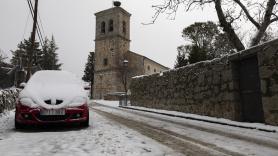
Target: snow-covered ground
x,y
103,138
240,141
107,103
122,132
258,126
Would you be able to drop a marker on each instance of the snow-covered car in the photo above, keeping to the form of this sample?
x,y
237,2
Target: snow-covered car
x,y
52,97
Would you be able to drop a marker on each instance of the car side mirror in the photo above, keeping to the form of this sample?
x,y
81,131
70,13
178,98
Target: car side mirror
x,y
22,85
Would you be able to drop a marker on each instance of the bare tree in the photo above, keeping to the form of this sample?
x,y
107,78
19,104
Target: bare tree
x,y
261,14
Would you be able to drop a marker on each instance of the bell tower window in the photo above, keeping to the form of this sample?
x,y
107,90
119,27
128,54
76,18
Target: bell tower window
x,y
124,27
102,27
111,25
105,61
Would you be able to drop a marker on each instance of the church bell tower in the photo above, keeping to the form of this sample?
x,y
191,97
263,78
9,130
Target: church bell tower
x,y
112,42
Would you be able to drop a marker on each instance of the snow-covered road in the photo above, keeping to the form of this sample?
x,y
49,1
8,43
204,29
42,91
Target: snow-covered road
x,y
120,132
104,137
195,137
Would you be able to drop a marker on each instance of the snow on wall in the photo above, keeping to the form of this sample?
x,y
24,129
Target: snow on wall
x,y
205,88
211,88
8,99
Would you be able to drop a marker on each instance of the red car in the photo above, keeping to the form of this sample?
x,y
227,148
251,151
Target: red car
x,y
52,97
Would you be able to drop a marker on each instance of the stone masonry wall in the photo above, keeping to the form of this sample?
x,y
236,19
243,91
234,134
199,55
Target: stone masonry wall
x,y
268,68
211,88
203,88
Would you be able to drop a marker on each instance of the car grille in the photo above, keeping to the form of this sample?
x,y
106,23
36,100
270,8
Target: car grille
x,y
52,117
48,102
57,102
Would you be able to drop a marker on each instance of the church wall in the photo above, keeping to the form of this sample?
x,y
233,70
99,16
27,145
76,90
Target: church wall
x,y
135,64
107,82
151,67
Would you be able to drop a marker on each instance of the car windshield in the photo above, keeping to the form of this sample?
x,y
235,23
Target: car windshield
x,y
53,78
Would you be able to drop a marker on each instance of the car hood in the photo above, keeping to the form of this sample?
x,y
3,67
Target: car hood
x,y
42,94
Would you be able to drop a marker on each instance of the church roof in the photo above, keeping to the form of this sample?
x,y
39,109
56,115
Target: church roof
x,y
144,57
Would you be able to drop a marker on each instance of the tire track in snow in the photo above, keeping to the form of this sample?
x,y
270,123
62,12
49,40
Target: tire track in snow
x,y
260,142
180,143
104,137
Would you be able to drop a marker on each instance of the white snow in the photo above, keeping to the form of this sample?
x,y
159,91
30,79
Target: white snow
x,y
139,76
107,103
103,138
212,119
197,117
53,85
239,140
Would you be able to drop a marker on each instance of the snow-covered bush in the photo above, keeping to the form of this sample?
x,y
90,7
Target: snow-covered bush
x,y
8,99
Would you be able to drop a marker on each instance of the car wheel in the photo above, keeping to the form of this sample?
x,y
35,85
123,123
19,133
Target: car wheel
x,y
18,125
85,123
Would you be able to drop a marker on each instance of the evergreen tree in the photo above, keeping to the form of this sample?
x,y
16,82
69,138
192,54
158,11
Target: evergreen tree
x,y
50,57
206,41
182,59
197,54
3,56
23,54
89,68
45,58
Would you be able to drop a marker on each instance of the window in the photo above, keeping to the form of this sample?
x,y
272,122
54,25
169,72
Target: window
x,y
154,70
149,68
124,27
112,51
111,25
105,62
102,27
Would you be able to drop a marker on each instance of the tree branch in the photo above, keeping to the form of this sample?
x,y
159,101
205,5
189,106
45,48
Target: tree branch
x,y
252,20
227,27
172,7
265,23
274,20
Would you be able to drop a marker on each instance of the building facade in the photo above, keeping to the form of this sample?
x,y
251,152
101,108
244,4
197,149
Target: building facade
x,y
112,48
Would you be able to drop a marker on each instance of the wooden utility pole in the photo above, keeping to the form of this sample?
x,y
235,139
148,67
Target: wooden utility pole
x,y
33,39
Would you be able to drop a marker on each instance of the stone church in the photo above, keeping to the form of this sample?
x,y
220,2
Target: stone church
x,y
114,60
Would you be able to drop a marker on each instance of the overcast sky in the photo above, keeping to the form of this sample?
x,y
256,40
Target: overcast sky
x,y
72,22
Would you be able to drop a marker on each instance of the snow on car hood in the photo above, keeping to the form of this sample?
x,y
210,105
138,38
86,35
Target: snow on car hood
x,y
45,88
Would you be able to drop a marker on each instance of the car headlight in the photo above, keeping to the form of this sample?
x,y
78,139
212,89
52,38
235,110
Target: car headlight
x,y
27,102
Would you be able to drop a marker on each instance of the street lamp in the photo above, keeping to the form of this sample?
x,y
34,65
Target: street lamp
x,y
125,64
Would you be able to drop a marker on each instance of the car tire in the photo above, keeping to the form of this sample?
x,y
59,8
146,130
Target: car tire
x,y
85,123
18,125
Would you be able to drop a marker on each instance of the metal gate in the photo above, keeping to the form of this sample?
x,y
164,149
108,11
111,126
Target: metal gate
x,y
250,91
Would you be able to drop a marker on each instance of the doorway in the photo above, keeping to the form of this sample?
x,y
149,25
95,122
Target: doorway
x,y
250,90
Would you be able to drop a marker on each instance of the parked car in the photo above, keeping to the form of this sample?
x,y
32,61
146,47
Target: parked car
x,y
52,97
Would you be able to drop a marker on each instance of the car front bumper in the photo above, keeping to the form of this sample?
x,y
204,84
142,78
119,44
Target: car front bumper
x,y
31,116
